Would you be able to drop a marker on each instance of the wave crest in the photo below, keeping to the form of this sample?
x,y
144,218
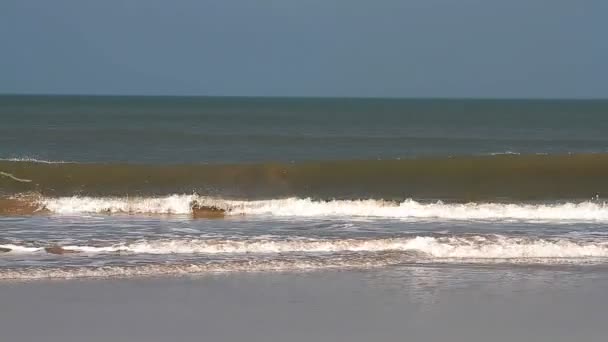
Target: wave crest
x,y
458,247
305,207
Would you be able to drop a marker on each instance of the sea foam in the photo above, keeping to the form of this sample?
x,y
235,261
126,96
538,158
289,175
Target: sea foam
x,y
460,247
324,254
305,207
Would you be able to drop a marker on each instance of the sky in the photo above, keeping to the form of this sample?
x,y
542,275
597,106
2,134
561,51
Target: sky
x,y
343,48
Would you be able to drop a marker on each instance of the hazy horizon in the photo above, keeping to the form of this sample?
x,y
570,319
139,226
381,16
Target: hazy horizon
x,y
329,97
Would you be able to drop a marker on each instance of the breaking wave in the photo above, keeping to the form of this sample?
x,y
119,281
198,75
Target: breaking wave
x,y
299,256
458,247
305,207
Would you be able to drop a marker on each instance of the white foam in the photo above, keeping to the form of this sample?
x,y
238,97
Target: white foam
x,y
269,265
34,160
307,254
175,204
181,204
18,249
475,249
463,247
508,153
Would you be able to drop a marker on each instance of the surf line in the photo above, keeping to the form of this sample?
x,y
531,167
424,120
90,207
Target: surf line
x,y
9,175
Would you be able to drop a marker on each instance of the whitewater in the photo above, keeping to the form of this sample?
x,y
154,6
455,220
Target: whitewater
x,y
149,236
306,207
465,247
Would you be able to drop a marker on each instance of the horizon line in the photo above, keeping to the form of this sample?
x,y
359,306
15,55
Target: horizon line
x,y
313,97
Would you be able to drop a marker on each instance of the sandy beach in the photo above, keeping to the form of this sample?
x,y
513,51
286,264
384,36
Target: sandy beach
x,y
402,304
303,171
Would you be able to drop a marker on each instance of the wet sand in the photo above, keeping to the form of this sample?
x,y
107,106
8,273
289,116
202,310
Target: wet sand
x,y
406,304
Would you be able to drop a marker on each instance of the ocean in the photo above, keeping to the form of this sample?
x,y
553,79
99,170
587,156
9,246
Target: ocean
x,y
127,187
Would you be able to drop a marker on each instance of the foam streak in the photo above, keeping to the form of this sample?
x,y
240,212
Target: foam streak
x,y
463,247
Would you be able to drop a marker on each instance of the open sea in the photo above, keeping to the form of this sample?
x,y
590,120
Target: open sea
x,y
105,187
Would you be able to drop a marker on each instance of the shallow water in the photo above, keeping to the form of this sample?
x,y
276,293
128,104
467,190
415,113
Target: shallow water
x,y
98,187
131,245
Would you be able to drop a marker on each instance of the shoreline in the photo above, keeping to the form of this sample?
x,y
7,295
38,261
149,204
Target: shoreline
x,y
383,305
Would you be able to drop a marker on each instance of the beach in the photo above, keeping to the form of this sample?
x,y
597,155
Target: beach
x,y
303,171
409,303
284,219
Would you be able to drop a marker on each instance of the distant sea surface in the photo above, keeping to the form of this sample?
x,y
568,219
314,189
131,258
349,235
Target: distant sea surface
x,y
101,186
193,130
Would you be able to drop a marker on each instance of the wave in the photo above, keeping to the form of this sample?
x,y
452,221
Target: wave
x,y
306,207
283,264
35,160
285,255
460,179
452,247
510,153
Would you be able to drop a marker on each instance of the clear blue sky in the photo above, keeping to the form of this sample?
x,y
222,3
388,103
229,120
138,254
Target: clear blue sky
x,y
382,48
